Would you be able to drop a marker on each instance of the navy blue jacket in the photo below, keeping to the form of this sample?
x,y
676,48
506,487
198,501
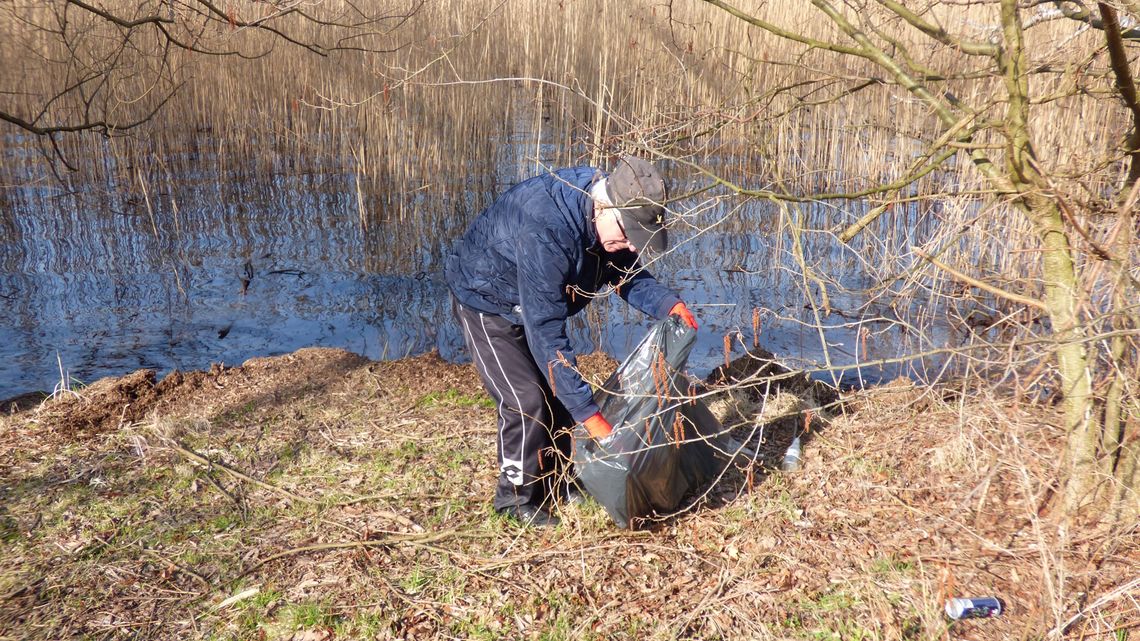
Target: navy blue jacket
x,y
534,258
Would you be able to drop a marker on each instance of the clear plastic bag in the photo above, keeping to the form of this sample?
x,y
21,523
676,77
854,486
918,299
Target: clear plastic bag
x,y
662,447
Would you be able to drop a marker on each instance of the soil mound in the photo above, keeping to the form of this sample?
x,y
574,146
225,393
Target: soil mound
x,y
104,405
112,402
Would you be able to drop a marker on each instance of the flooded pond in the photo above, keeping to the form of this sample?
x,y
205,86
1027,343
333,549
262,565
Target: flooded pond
x,y
179,273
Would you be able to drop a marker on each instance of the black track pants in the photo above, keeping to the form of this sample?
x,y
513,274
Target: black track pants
x,y
534,441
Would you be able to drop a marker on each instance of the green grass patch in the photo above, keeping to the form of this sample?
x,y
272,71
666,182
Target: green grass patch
x,y
224,522
831,616
264,616
560,629
448,509
302,616
844,630
478,630
453,398
363,625
415,581
871,468
408,451
253,613
237,414
828,602
891,565
9,528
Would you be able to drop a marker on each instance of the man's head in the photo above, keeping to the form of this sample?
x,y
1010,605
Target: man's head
x,y
637,191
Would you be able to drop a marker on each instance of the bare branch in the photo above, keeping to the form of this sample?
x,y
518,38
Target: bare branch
x,y
122,22
1124,84
971,47
97,52
974,282
784,33
1075,10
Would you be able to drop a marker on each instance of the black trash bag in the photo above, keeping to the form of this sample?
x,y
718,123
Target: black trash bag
x,y
664,443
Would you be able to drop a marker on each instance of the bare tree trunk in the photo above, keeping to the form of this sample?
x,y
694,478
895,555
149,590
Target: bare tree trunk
x,y
1121,414
1127,474
1021,184
1122,450
1059,274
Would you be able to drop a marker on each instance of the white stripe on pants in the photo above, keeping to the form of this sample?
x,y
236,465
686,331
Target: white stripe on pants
x,y
528,411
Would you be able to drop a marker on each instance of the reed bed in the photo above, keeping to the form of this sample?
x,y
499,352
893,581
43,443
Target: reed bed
x,y
459,99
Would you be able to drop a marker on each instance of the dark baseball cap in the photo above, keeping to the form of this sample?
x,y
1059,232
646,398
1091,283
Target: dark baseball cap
x,y
638,192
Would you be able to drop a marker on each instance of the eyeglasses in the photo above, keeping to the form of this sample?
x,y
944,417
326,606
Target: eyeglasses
x,y
617,217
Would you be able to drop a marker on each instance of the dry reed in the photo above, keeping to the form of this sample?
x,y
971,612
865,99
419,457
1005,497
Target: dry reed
x,y
459,101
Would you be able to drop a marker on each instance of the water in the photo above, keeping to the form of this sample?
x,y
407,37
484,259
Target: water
x,y
180,273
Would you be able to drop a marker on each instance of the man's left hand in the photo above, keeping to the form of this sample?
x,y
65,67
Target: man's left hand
x,y
681,310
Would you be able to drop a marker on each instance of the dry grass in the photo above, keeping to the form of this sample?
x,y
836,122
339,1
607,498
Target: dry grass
x,y
424,108
366,515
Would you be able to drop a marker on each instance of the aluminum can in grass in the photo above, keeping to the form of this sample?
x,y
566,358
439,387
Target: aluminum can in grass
x,y
974,608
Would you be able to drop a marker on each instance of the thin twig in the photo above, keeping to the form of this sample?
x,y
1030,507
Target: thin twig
x,y
970,280
194,456
181,568
1103,600
414,539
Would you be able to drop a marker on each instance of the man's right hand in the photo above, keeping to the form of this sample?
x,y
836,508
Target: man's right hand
x,y
682,311
598,426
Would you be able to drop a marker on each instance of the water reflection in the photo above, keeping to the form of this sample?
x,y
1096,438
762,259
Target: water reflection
x,y
162,273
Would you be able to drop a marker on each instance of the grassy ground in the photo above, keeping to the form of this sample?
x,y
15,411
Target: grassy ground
x,y
320,495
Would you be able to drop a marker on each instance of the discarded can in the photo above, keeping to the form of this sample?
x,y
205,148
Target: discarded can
x,y
974,608
792,457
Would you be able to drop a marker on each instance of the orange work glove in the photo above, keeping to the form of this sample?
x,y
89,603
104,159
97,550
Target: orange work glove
x,y
680,310
598,426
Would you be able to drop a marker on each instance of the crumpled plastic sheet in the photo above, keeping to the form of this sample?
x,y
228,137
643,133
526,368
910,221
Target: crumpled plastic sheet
x,y
665,442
